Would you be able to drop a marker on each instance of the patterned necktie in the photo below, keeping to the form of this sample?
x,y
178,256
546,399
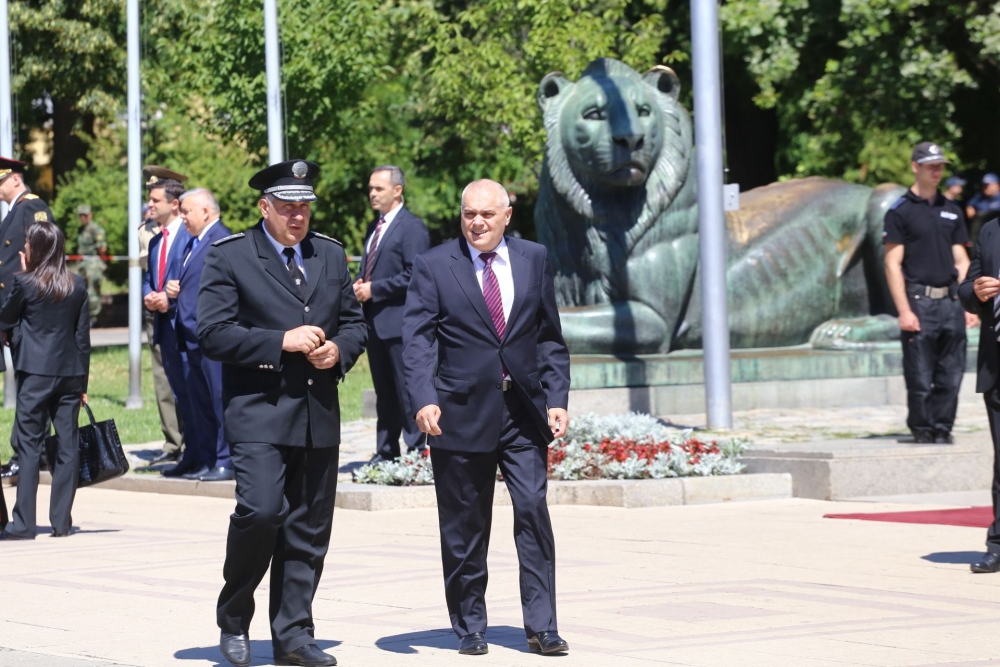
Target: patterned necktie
x,y
293,270
161,269
494,302
372,250
996,316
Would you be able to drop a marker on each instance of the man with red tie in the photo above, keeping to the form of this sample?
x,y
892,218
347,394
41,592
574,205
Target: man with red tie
x,y
392,241
488,371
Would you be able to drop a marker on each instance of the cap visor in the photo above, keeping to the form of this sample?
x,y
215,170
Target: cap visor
x,y
294,195
933,160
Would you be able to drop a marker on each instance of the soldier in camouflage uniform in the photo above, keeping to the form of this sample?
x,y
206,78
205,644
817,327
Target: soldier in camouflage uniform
x,y
91,243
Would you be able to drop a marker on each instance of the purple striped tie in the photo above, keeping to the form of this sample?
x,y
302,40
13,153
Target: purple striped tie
x,y
491,292
372,250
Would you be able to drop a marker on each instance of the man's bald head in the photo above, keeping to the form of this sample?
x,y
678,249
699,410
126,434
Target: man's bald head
x,y
486,213
488,186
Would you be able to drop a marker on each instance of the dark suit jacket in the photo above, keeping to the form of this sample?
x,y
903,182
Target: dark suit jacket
x,y
985,262
27,208
406,238
452,354
186,317
246,304
52,337
151,276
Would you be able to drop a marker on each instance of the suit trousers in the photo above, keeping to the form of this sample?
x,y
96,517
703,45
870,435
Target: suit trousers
x,y
933,364
173,441
464,483
283,519
39,399
392,402
205,410
992,399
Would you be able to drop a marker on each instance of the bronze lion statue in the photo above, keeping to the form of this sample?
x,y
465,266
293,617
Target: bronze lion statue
x,y
618,211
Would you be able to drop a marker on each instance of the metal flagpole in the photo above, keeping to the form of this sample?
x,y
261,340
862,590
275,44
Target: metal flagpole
x,y
273,65
711,218
135,193
7,150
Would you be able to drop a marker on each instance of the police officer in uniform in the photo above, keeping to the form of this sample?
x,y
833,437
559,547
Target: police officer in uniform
x,y
276,306
23,209
925,260
91,243
173,443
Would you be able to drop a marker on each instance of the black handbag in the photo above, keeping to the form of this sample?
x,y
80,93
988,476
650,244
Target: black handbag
x,y
101,454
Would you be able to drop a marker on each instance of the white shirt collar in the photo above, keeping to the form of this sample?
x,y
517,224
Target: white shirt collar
x,y
201,237
391,215
503,253
174,225
281,248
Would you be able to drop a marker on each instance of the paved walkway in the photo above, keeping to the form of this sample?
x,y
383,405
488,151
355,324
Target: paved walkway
x,y
744,584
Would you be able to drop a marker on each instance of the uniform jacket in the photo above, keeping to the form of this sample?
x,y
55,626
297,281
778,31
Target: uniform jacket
x,y
246,303
452,354
51,337
985,262
27,208
186,305
151,277
406,238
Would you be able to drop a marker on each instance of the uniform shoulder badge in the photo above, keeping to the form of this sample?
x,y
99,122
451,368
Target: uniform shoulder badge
x,y
41,216
231,237
29,197
328,238
896,204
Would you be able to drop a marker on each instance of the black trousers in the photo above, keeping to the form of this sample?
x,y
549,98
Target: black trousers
x,y
464,483
283,519
392,403
933,364
39,399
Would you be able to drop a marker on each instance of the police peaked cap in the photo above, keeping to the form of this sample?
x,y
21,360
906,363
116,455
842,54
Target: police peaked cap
x,y
287,181
10,166
153,174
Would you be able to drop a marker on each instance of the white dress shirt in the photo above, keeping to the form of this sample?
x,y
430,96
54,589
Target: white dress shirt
x,y
501,269
389,217
201,237
172,228
281,249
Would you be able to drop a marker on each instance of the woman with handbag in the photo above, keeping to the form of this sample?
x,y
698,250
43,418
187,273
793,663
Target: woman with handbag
x,y
50,343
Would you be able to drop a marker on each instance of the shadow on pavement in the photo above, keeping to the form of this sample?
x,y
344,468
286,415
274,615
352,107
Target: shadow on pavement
x,y
260,651
954,557
498,635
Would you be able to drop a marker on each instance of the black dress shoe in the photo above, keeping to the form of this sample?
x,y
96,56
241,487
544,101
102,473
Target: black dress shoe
x,y
378,458
308,656
163,457
989,563
12,537
183,468
473,644
218,475
235,649
547,642
943,439
922,438
196,474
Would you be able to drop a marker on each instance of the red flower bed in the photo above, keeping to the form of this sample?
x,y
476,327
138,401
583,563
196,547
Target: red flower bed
x,y
621,449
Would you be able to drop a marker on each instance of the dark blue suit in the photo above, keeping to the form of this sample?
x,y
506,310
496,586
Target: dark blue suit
x,y
175,361
454,359
209,446
405,238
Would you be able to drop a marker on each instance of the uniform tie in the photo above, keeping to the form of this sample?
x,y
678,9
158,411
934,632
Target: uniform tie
x,y
161,269
373,249
293,270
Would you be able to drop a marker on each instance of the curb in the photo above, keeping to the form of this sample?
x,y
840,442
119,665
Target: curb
x,y
601,493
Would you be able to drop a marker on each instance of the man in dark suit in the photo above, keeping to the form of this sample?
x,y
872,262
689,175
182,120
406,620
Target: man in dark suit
x,y
980,295
488,371
166,250
207,447
277,308
391,243
23,208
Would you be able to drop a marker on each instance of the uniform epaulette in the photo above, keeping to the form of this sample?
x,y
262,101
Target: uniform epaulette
x,y
231,237
29,196
896,204
328,238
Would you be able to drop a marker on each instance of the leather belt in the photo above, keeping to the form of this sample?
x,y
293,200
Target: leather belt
x,y
504,385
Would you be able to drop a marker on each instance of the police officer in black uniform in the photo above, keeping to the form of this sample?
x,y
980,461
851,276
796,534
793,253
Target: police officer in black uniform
x,y
925,260
276,306
23,209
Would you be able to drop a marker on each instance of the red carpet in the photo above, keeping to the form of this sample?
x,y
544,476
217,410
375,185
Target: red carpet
x,y
974,517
